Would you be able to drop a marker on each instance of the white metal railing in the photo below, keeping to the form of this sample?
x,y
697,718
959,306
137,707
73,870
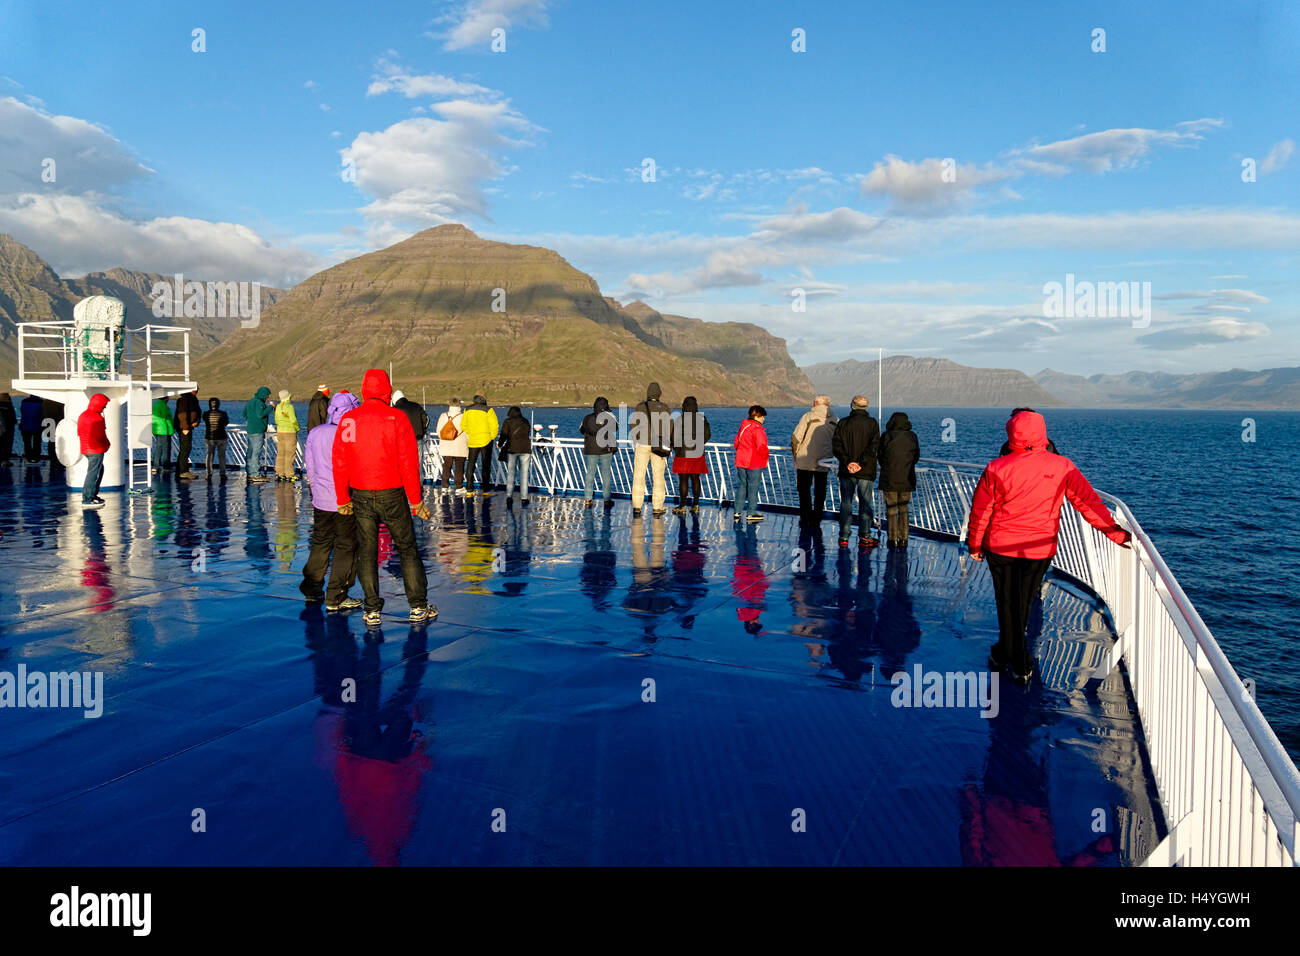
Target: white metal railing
x,y
38,339
1230,793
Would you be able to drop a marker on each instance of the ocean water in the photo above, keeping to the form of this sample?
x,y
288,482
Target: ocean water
x,y
1218,507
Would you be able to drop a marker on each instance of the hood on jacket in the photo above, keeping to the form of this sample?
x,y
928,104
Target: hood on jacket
x,y
689,404
376,385
479,400
600,405
899,422
398,395
340,405
98,401
263,393
214,403
1027,431
284,395
515,412
653,391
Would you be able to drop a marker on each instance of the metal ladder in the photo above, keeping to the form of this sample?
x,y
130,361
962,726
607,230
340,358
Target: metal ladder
x,y
139,412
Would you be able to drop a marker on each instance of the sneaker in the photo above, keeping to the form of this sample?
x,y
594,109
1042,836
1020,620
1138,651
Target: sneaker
x,y
372,618
695,509
659,512
754,518
187,474
461,493
347,604
92,505
419,615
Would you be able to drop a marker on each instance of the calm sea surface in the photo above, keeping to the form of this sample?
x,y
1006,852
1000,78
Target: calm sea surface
x,y
1218,508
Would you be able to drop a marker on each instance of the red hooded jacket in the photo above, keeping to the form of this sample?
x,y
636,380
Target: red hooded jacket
x,y
90,427
374,447
751,445
1016,511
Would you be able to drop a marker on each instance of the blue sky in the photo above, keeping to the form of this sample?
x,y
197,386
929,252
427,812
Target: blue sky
x,y
821,171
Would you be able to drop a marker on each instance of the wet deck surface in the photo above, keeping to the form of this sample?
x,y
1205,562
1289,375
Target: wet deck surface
x,y
523,703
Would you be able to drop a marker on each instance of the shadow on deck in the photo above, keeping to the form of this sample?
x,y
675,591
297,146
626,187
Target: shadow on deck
x,y
523,704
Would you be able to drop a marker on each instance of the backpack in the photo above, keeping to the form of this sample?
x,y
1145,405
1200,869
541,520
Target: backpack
x,y
448,431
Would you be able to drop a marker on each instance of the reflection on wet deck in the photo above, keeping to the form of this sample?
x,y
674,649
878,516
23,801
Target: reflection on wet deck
x,y
524,704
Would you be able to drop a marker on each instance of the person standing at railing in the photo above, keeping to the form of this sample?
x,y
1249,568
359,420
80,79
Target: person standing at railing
x,y
257,415
898,455
333,535
856,444
809,444
93,437
599,431
317,410
518,442
187,420
453,446
163,429
691,433
215,422
651,429
51,415
481,429
751,461
1006,445
286,438
1015,517
30,425
8,427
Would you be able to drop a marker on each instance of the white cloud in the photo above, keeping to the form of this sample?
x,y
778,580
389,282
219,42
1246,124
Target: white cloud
x,y
80,234
925,186
1278,156
87,158
471,23
1215,331
393,78
1113,149
427,171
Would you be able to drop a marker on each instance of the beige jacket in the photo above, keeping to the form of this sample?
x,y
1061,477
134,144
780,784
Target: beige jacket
x,y
812,438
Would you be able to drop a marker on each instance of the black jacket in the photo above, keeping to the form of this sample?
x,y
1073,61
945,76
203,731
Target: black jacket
x,y
318,410
857,438
215,421
516,437
416,413
899,452
651,421
591,431
690,425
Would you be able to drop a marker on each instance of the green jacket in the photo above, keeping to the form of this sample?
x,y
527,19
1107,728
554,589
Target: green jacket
x,y
257,412
162,418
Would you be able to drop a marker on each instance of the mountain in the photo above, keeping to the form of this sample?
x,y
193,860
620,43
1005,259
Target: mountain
x,y
30,291
426,305
1238,388
929,381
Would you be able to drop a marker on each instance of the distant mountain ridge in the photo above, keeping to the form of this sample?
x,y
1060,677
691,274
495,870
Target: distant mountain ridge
x,y
1238,388
31,291
461,314
928,381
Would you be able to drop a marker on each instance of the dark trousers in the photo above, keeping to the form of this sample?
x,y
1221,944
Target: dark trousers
x,y
688,489
6,446
389,507
1016,582
336,534
213,450
32,446
476,455
183,455
453,466
897,514
812,496
94,475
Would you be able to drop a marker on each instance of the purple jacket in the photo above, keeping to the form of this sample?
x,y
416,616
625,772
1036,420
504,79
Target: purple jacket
x,y
319,452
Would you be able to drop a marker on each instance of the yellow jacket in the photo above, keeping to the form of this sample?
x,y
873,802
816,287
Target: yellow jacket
x,y
480,425
286,419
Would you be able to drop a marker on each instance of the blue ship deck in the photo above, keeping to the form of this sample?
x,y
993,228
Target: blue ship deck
x,y
771,686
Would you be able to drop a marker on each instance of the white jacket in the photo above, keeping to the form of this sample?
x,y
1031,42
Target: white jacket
x,y
459,448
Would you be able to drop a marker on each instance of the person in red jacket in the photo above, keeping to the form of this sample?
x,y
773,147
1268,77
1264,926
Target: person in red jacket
x,y
751,461
1014,518
94,443
377,480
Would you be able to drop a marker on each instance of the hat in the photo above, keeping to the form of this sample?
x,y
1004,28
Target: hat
x,y
323,388
284,394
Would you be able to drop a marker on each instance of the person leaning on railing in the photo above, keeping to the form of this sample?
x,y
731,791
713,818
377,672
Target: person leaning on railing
x,y
1015,516
599,430
809,444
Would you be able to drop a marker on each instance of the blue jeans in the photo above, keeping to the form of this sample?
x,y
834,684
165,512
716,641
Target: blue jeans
x,y
521,462
162,452
859,488
253,466
748,481
94,475
606,465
